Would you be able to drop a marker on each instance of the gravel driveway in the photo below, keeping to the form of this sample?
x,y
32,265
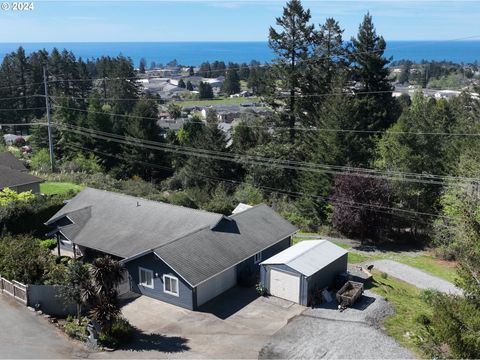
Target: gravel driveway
x,y
416,277
331,334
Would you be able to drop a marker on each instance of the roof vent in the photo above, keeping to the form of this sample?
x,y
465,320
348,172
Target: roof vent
x,y
138,203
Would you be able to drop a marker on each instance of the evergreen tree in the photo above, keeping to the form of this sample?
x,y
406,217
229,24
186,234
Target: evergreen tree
x,y
231,85
205,91
191,72
142,125
291,44
142,66
328,63
375,108
182,84
189,85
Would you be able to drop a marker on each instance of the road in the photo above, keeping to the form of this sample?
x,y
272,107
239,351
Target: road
x,y
25,335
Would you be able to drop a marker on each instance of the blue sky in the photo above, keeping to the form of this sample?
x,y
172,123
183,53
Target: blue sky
x,y
218,20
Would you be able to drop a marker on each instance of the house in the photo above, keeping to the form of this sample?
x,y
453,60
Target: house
x,y
13,174
295,273
10,139
175,254
9,160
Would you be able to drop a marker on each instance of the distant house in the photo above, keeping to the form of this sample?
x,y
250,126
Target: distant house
x,y
182,256
13,174
297,272
10,139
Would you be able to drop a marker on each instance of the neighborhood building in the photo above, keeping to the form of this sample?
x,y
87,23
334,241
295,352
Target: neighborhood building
x,y
295,273
14,175
179,255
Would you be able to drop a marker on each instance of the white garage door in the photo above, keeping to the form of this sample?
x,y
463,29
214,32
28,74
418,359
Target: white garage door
x,y
216,285
285,286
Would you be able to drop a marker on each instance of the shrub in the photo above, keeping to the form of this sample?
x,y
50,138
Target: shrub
x,y
248,194
261,290
76,330
384,275
8,196
122,332
41,161
19,142
221,202
22,258
182,199
25,217
49,244
81,163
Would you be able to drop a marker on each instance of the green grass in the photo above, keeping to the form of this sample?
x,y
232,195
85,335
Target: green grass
x,y
218,101
52,188
355,258
403,326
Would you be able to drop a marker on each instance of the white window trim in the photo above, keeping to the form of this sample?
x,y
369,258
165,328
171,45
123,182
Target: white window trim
x,y
140,269
257,257
172,278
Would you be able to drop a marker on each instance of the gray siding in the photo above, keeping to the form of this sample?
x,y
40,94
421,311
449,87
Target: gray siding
x,y
249,264
321,279
35,188
152,262
324,277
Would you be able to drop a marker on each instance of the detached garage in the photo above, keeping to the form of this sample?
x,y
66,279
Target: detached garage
x,y
299,270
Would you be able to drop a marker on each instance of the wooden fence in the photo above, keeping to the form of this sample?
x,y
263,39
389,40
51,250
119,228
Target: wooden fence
x,y
15,289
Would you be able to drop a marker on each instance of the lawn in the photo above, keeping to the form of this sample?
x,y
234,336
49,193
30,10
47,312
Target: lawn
x,y
218,101
409,306
51,187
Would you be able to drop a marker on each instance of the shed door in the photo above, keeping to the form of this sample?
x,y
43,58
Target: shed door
x,y
216,285
284,285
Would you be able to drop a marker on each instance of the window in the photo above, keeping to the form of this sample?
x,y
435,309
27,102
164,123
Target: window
x,y
170,285
257,258
146,277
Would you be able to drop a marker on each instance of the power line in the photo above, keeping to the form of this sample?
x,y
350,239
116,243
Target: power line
x,y
23,124
353,204
313,129
431,179
24,109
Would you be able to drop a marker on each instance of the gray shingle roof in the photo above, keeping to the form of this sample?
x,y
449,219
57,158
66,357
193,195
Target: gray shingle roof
x,y
9,160
12,178
207,252
113,223
195,243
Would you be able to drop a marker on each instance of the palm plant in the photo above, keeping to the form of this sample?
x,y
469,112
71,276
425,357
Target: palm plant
x,y
106,274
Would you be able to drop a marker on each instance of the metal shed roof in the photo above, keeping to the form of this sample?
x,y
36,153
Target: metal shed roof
x,y
307,257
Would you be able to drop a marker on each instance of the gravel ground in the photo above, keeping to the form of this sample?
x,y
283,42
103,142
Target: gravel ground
x,y
415,277
331,334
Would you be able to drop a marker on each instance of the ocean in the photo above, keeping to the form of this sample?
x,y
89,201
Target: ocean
x,y
194,53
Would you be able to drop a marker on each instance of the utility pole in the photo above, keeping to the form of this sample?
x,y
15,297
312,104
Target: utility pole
x,y
49,124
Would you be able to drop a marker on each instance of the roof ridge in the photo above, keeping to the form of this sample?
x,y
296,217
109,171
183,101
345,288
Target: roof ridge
x,y
209,226
152,201
303,252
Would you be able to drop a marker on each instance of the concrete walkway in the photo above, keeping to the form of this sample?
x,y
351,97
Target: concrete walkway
x,y
416,277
